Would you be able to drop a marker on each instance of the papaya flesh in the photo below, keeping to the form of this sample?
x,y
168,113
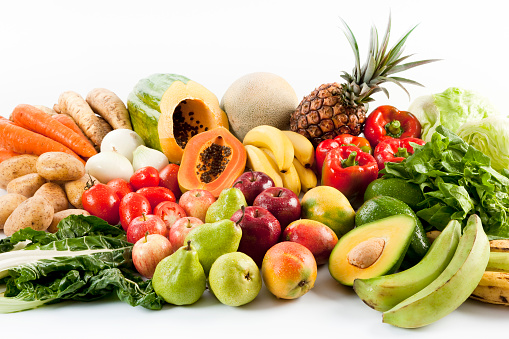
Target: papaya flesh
x,y
212,160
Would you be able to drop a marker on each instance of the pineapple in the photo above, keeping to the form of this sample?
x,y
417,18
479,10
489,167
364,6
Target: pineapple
x,y
335,108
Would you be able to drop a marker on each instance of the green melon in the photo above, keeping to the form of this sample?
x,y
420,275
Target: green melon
x,y
259,99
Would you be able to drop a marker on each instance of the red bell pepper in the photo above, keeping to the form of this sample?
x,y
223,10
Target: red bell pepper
x,y
387,121
321,152
394,150
348,139
341,140
349,170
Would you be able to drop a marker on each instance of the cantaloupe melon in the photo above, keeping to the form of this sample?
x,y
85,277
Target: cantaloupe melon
x,y
259,98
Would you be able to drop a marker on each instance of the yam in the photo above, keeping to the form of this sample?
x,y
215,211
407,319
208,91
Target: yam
x,y
94,127
109,106
35,212
47,110
26,185
15,167
8,203
59,166
57,217
55,195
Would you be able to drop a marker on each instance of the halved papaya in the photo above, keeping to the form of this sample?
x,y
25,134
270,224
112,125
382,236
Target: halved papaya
x,y
212,161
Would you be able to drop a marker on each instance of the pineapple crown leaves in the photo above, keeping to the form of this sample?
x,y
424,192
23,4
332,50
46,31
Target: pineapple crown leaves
x,y
380,64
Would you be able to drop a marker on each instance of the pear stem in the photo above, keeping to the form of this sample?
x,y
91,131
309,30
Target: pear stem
x,y
188,248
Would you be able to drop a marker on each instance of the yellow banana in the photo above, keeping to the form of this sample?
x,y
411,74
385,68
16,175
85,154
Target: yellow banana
x,y
499,245
257,160
307,177
290,178
274,139
493,288
302,148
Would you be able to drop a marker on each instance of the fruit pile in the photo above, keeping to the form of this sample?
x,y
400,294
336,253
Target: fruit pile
x,y
173,193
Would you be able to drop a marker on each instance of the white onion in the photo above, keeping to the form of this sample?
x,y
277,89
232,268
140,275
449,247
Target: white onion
x,y
123,141
144,156
109,165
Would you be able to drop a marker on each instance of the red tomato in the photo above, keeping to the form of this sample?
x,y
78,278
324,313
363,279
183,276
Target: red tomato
x,y
120,186
132,205
170,212
144,177
168,178
102,201
156,195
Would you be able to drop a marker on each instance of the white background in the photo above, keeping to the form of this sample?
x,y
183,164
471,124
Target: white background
x,y
53,46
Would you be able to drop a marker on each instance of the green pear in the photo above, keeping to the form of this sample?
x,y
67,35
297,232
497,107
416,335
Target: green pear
x,y
179,278
235,279
213,240
230,200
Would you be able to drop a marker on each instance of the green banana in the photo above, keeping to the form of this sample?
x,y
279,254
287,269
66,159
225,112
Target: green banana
x,y
452,287
499,262
384,292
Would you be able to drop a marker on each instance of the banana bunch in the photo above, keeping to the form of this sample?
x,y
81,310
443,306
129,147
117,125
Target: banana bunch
x,y
494,285
285,156
437,285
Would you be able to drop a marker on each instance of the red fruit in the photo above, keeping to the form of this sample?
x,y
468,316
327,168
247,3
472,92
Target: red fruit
x,y
321,151
168,178
144,177
148,252
132,205
102,201
156,195
145,223
179,230
170,212
196,202
120,186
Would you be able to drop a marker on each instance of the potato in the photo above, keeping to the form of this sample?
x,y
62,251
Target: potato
x,y
15,167
8,203
57,217
26,185
74,189
55,195
35,212
59,166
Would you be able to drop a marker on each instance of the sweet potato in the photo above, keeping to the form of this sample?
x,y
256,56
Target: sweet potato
x,y
94,127
47,110
109,106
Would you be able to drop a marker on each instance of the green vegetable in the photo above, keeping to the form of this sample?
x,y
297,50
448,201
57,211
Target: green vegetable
x,y
457,181
490,136
85,260
451,108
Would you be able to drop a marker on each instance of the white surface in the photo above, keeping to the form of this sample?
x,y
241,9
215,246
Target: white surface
x,y
53,46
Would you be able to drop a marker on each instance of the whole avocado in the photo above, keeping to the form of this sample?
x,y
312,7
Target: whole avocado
x,y
398,188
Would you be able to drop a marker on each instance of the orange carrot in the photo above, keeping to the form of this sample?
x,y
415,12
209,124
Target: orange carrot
x,y
21,140
37,121
69,122
6,154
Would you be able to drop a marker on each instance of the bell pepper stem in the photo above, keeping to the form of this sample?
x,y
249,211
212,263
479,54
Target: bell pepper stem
x,y
350,161
402,152
394,127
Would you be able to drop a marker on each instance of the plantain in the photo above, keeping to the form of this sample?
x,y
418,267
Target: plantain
x,y
493,288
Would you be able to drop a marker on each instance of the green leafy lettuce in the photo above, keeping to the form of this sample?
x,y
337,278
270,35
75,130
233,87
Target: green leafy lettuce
x,y
86,259
457,181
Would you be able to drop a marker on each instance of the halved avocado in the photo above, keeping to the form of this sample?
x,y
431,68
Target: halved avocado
x,y
372,250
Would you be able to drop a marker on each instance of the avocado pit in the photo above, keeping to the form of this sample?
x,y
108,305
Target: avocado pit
x,y
366,253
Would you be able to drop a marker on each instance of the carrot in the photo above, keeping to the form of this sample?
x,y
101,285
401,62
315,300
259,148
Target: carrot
x,y
36,120
6,154
21,140
69,122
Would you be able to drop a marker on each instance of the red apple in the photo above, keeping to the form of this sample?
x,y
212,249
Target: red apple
x,y
260,231
169,212
149,251
145,223
319,238
180,229
196,202
281,202
253,183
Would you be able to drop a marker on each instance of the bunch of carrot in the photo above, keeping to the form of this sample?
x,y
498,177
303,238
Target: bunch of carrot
x,y
33,131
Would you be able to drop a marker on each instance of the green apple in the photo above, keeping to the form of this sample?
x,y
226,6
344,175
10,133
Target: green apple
x,y
235,279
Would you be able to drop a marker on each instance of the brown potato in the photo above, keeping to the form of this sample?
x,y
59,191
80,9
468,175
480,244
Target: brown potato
x,y
8,203
26,185
35,212
55,195
59,166
15,167
74,189
57,217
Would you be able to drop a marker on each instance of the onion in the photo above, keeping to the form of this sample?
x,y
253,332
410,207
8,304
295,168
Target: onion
x,y
109,165
123,141
144,156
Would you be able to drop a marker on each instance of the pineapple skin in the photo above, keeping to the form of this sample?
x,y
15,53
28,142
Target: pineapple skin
x,y
324,114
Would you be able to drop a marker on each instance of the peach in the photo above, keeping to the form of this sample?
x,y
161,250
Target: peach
x,y
319,238
289,270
